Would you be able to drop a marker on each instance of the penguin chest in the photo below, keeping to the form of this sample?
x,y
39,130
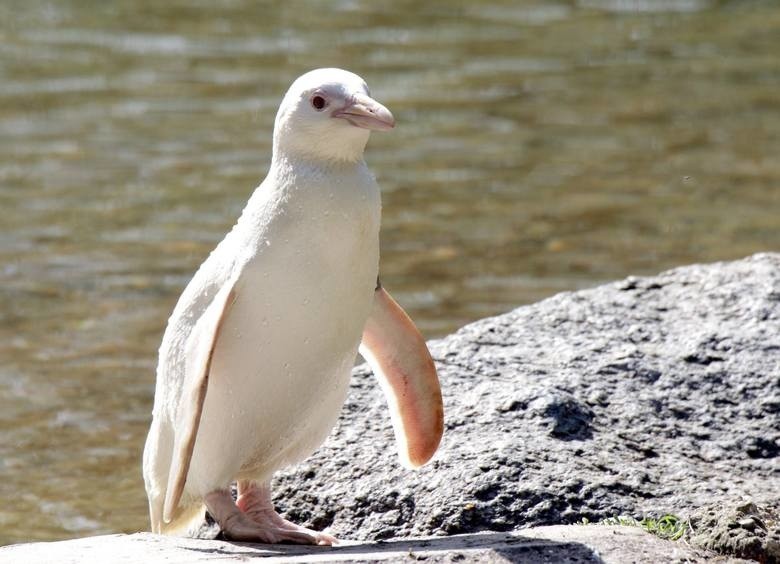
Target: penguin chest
x,y
282,364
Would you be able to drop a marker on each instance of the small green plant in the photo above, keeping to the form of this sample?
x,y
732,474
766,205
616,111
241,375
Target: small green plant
x,y
668,527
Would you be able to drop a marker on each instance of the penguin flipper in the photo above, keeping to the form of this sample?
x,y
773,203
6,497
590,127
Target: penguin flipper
x,y
400,359
199,351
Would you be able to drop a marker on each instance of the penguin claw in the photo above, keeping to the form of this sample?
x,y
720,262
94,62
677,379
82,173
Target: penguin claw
x,y
247,530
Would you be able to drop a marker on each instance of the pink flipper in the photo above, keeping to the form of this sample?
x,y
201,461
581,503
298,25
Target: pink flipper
x,y
397,353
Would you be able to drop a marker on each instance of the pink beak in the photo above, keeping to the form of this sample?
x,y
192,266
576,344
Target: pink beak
x,y
363,111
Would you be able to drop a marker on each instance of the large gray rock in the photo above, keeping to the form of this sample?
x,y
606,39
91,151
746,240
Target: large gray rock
x,y
645,396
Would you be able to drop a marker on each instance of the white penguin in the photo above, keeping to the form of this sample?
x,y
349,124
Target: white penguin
x,y
256,359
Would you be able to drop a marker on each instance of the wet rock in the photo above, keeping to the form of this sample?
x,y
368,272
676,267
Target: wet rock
x,y
642,397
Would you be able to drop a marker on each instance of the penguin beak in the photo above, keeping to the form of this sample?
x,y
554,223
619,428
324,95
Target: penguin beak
x,y
363,111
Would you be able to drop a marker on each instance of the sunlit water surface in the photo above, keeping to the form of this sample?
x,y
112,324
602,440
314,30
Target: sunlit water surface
x,y
541,147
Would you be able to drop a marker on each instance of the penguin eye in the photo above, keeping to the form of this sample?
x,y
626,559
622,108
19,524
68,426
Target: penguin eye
x,y
318,103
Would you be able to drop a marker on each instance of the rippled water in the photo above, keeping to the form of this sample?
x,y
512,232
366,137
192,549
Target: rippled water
x,y
542,146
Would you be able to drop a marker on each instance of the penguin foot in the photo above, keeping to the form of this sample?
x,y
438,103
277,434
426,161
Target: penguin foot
x,y
254,500
253,519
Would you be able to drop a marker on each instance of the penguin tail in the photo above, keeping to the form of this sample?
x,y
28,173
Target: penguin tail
x,y
188,514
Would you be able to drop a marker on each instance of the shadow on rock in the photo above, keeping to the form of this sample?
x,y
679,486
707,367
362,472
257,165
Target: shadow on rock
x,y
482,547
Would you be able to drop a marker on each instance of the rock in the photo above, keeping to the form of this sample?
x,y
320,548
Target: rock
x,y
641,397
573,543
742,529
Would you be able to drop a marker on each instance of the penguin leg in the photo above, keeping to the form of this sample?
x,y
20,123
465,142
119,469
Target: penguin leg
x,y
254,500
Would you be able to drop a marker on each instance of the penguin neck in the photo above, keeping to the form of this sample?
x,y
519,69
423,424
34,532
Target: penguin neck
x,y
336,144
286,165
296,189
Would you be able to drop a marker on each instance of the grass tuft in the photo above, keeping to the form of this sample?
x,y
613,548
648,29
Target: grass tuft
x,y
668,527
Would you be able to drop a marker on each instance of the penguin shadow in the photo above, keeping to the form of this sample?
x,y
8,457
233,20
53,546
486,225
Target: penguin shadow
x,y
473,547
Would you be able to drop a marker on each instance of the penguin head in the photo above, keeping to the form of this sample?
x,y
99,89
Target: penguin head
x,y
328,114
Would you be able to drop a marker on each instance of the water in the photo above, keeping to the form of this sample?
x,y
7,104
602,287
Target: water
x,y
541,147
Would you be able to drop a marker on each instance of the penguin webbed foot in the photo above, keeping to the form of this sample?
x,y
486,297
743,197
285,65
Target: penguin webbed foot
x,y
253,519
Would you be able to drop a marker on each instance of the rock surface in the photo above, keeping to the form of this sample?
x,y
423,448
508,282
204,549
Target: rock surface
x,y
742,529
565,544
640,397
